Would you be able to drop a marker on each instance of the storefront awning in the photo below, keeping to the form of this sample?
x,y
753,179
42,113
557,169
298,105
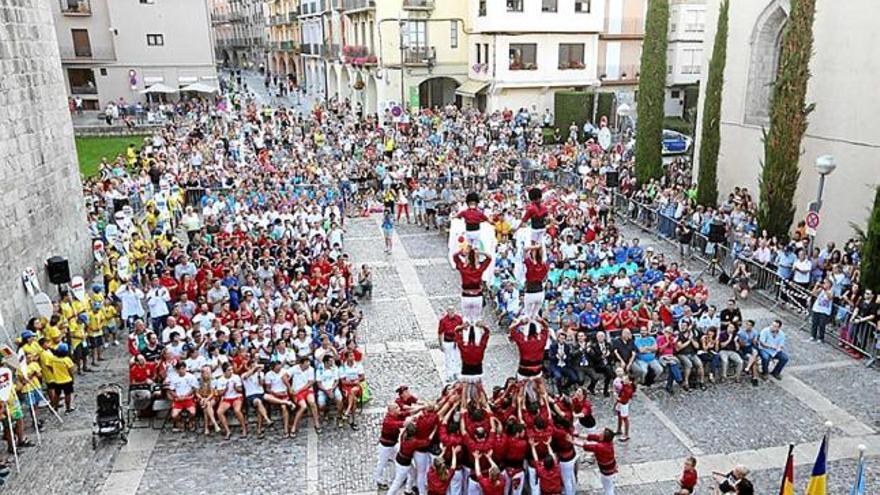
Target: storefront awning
x,y
470,88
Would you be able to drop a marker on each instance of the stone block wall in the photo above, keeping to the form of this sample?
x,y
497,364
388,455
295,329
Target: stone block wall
x,y
42,212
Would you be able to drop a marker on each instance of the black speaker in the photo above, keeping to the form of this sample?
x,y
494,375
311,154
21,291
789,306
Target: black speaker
x,y
716,232
58,269
612,179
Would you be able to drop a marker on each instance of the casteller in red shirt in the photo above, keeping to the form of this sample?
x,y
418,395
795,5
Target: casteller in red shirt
x,y
549,477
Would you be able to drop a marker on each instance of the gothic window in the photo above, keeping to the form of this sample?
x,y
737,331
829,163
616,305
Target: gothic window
x,y
766,47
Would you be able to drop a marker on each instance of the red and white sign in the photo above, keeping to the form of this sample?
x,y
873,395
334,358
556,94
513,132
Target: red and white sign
x,y
6,383
812,222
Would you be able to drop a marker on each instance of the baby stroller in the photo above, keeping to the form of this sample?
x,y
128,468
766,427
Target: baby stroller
x,y
109,417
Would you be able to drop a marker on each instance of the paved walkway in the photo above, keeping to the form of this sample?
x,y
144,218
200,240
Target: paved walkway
x,y
724,426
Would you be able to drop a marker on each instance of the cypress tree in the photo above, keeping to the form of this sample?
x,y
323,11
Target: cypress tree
x,y
870,264
707,182
652,92
788,123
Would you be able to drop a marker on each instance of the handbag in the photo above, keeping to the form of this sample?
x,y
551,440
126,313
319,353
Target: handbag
x,y
366,395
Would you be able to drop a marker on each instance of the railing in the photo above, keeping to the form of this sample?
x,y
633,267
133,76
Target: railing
x,y
418,4
87,53
690,69
694,28
287,45
331,50
624,73
418,55
355,5
220,18
83,90
358,55
764,281
76,7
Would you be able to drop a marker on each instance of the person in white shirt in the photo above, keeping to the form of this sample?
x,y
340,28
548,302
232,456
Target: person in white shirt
x,y
302,383
302,343
157,303
351,378
252,380
171,327
328,385
130,297
182,386
277,386
194,360
229,390
204,318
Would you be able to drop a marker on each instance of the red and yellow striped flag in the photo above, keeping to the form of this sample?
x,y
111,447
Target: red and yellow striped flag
x,y
787,486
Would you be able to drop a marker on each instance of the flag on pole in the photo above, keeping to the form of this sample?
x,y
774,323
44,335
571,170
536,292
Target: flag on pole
x,y
818,479
858,487
787,486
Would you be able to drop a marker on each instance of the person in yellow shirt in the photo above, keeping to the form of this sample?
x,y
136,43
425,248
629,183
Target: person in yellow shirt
x,y
110,318
53,332
62,370
29,343
29,385
76,335
130,155
46,370
95,333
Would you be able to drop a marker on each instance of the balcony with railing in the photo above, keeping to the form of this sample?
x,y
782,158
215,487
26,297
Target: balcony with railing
x,y
690,69
358,55
355,6
628,27
287,46
83,89
419,55
694,27
418,4
331,50
80,53
76,7
620,74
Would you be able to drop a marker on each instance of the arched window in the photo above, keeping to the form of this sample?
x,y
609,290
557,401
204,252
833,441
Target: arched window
x,y
766,47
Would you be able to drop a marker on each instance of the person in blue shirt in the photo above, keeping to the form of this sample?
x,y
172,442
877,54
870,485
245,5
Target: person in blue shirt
x,y
784,261
771,346
589,319
646,359
635,253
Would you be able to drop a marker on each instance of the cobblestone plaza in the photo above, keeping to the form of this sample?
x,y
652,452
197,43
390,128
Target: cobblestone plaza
x,y
723,426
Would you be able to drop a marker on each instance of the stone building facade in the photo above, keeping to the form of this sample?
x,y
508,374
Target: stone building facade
x,y
42,212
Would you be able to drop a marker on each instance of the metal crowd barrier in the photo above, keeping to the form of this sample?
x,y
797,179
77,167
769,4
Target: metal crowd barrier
x,y
858,338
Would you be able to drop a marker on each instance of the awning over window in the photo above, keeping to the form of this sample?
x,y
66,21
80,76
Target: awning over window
x,y
470,88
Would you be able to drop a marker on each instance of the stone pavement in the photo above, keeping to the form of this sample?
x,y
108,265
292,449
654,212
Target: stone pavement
x,y
726,425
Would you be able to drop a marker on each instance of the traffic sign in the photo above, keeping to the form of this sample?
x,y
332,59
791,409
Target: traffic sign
x,y
812,220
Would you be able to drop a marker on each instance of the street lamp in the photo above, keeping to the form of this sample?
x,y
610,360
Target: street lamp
x,y
825,164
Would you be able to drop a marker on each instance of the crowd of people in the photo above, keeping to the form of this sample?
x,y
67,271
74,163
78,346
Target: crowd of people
x,y
222,263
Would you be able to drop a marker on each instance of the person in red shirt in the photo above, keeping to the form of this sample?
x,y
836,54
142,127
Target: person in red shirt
x,y
409,443
490,482
536,215
440,475
547,472
531,347
627,317
389,433
627,390
689,476
602,447
609,317
473,216
514,453
446,331
471,268
471,343
536,273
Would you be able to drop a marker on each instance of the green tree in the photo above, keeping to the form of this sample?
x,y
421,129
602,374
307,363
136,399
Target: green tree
x,y
788,123
707,181
652,92
870,264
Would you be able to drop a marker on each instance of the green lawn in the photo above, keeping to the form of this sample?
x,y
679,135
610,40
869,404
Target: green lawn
x,y
90,150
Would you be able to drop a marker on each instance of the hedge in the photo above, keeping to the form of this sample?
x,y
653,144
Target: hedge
x,y
577,106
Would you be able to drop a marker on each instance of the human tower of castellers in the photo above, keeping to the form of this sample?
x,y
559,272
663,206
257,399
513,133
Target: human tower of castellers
x,y
467,442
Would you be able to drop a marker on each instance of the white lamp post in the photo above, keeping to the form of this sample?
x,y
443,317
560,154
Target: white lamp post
x,y
825,164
